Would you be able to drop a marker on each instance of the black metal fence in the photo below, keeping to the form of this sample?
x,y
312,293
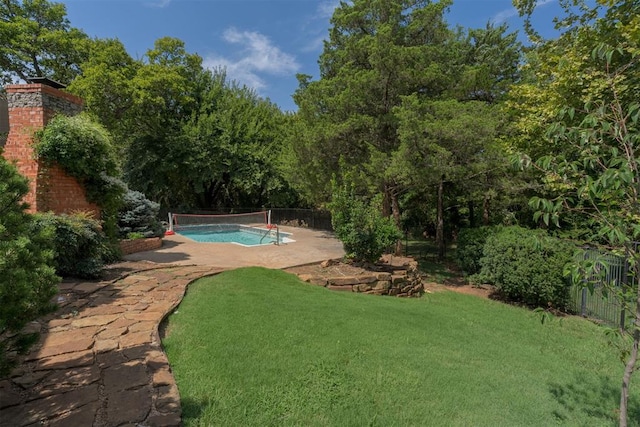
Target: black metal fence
x,y
610,273
312,218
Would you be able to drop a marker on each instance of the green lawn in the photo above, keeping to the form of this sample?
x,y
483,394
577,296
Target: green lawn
x,y
256,347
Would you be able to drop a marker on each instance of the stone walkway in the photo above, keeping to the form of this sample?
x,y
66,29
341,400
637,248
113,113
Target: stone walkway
x,y
99,360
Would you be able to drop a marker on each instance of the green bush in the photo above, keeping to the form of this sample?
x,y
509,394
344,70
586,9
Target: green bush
x,y
364,232
134,235
27,277
83,148
139,215
81,247
469,247
527,266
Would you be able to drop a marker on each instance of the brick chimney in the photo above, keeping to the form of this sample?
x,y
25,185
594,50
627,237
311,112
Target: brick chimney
x,y
31,106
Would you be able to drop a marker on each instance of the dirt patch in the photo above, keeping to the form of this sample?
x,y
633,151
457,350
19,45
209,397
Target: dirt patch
x,y
337,269
482,291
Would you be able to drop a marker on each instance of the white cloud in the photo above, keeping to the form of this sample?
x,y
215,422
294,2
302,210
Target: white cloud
x,y
159,3
315,44
326,8
316,28
504,15
256,55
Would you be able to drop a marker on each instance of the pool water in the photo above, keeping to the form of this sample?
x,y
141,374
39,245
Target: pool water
x,y
229,233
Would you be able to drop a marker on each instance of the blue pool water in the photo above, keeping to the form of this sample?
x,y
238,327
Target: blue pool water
x,y
229,233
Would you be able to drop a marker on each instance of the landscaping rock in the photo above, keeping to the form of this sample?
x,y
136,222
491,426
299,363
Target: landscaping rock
x,y
343,281
345,288
328,263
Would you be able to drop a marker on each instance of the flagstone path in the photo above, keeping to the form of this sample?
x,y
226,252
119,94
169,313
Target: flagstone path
x,y
99,360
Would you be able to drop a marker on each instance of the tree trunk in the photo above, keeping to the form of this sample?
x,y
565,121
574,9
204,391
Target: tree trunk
x,y
440,220
391,207
472,214
485,209
633,357
395,211
386,201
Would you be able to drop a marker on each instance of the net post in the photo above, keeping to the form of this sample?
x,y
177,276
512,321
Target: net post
x,y
269,217
170,221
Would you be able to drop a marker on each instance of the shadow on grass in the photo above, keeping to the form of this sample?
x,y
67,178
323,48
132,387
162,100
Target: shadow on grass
x,y
598,397
192,409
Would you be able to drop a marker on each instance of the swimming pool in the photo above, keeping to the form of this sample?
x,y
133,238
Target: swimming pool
x,y
231,233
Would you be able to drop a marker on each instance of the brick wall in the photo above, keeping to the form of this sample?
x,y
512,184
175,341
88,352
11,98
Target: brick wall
x,y
60,193
31,107
140,245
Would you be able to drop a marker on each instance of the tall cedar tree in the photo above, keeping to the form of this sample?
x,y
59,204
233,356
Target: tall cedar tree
x,y
378,51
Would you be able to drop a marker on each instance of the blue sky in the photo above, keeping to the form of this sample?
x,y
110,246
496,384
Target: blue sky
x,y
262,43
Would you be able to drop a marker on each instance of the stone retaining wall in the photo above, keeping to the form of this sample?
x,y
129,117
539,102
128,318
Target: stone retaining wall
x,y
37,95
130,246
396,276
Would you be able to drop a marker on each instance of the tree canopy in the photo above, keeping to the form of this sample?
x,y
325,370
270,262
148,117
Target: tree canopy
x,y
382,59
37,40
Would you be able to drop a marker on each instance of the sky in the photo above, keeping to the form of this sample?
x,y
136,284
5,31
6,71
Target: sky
x,y
261,43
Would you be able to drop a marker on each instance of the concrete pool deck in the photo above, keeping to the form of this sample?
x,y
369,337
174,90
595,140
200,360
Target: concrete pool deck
x,y
310,246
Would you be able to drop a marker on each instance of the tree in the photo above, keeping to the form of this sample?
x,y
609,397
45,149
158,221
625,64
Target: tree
x,y
378,51
232,145
381,53
106,86
220,150
561,73
603,185
36,39
165,90
27,278
448,143
594,169
490,64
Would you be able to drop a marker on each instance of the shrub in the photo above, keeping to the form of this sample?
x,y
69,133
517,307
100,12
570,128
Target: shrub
x,y
83,148
470,245
527,266
81,247
139,215
27,276
364,232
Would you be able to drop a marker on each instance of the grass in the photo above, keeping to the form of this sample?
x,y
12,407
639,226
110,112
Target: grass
x,y
258,347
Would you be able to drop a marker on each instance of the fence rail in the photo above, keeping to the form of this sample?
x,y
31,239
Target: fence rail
x,y
611,272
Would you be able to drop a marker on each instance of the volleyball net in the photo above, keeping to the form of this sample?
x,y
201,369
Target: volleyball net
x,y
180,220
